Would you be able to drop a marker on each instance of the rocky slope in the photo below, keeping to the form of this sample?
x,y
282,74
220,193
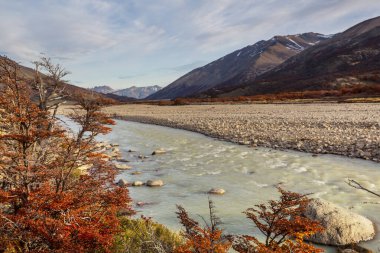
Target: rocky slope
x,y
349,58
241,65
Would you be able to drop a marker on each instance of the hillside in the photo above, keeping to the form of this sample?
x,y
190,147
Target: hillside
x,y
349,58
28,73
242,65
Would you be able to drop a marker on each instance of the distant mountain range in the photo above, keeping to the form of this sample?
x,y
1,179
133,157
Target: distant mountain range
x,y
308,61
132,92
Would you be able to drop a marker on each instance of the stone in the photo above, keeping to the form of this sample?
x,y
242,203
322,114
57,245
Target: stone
x,y
155,183
216,191
342,226
121,166
137,183
122,183
122,160
159,152
353,249
347,251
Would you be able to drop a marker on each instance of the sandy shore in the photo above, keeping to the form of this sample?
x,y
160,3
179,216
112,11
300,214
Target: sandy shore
x,y
345,129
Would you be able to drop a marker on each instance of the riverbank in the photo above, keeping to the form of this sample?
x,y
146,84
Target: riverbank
x,y
351,130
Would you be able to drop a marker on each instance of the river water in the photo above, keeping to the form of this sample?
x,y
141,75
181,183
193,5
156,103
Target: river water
x,y
195,163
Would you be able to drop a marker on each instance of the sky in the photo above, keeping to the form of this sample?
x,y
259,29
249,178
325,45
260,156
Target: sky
x,y
153,42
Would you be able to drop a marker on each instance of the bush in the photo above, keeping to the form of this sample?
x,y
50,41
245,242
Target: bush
x,y
145,236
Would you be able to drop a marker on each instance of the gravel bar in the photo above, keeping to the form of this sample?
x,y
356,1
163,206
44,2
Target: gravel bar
x,y
328,128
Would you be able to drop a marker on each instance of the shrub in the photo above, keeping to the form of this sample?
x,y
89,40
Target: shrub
x,y
208,239
145,236
282,224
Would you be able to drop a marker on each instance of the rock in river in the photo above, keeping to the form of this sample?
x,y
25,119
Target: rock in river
x,y
122,183
153,183
217,191
159,151
137,183
121,166
342,227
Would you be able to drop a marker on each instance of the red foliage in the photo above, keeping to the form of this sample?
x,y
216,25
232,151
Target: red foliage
x,y
47,204
208,239
282,224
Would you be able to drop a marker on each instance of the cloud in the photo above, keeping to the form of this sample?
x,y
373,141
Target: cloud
x,y
186,67
111,40
131,76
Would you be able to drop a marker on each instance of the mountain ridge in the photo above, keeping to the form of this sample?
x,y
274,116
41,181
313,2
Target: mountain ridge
x,y
348,58
246,63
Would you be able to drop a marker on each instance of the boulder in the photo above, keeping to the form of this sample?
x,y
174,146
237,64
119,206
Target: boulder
x,y
154,183
137,183
217,191
342,226
121,166
159,152
353,249
122,183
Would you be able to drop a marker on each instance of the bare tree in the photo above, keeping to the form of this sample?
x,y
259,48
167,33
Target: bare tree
x,y
49,84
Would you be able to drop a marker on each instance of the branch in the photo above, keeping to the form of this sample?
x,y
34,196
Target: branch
x,y
358,186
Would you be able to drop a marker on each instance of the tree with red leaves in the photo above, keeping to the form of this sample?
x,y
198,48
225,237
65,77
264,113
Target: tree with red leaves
x,y
199,239
282,224
57,193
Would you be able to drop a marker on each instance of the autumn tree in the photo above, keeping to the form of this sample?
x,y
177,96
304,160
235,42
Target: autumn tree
x,y
208,239
283,226
57,192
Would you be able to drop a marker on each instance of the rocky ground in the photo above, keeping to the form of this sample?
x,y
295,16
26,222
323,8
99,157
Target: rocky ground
x,y
345,129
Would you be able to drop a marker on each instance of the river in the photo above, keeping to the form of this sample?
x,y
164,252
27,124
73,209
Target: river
x,y
195,163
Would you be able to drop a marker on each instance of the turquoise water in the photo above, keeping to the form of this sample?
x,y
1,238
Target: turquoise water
x,y
194,164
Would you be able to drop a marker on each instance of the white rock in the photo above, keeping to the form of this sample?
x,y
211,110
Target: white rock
x,y
159,151
121,166
342,227
137,183
153,183
217,191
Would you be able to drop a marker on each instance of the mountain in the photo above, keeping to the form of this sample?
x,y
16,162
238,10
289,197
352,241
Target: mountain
x,y
132,92
103,89
348,58
244,65
138,92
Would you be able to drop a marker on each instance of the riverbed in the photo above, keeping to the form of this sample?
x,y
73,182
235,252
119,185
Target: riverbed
x,y
195,163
